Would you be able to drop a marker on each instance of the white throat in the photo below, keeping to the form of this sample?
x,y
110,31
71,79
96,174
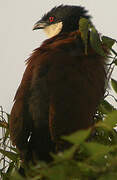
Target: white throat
x,y
53,29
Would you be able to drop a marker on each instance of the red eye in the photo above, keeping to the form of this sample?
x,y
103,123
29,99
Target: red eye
x,y
51,19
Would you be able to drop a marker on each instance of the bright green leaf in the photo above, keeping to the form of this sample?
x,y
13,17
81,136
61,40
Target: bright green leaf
x,y
95,148
110,121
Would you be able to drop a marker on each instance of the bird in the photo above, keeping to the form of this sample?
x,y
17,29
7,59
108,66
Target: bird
x,y
61,87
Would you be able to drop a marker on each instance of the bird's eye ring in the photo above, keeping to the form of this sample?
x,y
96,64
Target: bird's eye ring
x,y
51,18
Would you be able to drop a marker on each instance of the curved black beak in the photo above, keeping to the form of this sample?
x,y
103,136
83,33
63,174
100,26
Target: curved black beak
x,y
39,25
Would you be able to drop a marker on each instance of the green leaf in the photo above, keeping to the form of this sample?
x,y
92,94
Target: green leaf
x,y
6,135
10,155
77,137
114,84
8,117
55,173
86,170
17,176
13,149
4,124
84,28
115,62
96,42
109,42
109,122
97,153
114,52
105,107
65,170
95,148
10,168
67,154
109,176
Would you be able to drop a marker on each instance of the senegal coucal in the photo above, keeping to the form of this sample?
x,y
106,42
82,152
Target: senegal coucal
x,y
60,89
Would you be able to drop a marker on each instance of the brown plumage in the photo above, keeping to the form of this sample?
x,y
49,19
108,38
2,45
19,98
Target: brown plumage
x,y
59,93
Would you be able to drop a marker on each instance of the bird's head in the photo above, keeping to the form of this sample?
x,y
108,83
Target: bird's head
x,y
64,18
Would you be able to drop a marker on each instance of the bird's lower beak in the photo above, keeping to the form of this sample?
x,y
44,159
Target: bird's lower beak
x,y
39,25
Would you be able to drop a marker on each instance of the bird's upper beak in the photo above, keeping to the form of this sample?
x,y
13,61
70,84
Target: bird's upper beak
x,y
39,25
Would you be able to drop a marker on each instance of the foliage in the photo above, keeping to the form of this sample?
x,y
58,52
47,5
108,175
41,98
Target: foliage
x,y
93,155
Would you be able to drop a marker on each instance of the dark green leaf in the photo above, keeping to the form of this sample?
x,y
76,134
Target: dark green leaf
x,y
11,167
109,42
8,117
86,170
105,107
115,62
17,176
3,124
114,84
108,176
84,28
95,42
77,137
13,149
10,155
99,153
114,52
65,170
67,154
6,135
